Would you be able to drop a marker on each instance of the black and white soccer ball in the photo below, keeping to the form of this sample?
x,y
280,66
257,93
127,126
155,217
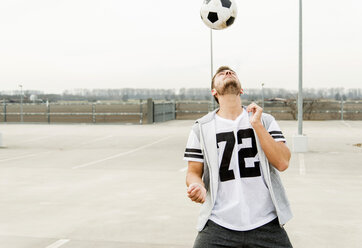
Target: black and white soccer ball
x,y
218,14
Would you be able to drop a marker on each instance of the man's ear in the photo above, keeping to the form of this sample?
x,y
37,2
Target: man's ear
x,y
241,91
213,92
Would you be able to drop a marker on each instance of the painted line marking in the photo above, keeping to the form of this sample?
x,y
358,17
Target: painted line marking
x,y
58,243
183,169
25,156
302,170
119,154
5,155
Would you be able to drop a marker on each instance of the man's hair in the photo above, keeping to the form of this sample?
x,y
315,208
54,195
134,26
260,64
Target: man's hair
x,y
221,68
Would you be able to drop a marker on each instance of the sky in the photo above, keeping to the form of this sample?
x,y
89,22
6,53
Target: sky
x,y
53,45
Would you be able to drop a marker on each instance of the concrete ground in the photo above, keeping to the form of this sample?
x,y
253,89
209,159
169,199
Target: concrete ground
x,y
107,186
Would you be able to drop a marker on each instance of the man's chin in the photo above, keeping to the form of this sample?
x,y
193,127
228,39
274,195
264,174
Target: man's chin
x,y
230,87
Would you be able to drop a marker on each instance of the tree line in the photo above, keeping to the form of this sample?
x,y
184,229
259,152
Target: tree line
x,y
126,94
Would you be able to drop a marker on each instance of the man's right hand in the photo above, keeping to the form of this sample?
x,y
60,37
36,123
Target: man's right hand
x,y
196,192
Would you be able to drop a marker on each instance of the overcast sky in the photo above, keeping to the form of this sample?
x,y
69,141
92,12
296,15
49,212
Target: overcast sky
x,y
52,45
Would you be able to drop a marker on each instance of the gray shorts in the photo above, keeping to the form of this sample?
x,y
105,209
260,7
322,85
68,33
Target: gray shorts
x,y
270,235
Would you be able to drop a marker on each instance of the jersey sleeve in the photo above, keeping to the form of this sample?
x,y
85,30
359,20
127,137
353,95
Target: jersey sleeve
x,y
275,132
193,150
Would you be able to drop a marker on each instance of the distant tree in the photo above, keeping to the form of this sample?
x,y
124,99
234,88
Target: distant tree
x,y
125,98
309,106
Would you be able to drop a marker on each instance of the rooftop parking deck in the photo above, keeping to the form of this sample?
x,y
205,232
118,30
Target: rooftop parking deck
x,y
82,186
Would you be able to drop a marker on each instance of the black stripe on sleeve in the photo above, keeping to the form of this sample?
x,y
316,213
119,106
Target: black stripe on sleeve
x,y
188,155
275,132
193,150
278,137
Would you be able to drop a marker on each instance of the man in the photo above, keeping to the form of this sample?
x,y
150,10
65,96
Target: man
x,y
234,155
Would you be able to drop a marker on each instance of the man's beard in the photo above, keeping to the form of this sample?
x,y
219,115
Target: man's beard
x,y
231,87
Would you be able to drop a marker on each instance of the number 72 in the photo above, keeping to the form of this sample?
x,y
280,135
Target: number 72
x,y
247,152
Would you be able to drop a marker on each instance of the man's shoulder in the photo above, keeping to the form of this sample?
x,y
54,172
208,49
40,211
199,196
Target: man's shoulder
x,y
206,118
202,120
267,116
267,119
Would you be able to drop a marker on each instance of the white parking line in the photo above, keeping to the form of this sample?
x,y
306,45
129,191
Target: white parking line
x,y
58,243
25,156
2,156
302,170
119,154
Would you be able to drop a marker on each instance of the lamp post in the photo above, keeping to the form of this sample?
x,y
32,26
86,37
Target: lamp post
x,y
300,90
212,68
300,141
21,103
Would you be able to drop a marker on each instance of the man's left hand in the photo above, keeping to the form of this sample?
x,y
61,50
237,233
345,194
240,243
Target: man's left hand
x,y
256,116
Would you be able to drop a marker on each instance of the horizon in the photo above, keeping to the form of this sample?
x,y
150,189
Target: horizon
x,y
17,91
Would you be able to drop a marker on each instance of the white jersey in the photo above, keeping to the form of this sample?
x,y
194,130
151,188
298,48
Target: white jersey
x,y
243,200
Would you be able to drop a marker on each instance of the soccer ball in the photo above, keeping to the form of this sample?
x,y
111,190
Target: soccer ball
x,y
218,14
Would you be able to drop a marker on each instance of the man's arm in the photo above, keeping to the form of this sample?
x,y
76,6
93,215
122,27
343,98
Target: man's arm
x,y
195,186
277,153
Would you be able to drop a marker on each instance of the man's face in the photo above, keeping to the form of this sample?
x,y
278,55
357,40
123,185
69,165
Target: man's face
x,y
226,82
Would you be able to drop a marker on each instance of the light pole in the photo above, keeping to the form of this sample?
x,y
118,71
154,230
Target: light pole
x,y
300,142
21,103
300,90
262,95
212,68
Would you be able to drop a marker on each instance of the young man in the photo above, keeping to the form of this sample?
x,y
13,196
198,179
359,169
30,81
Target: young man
x,y
234,155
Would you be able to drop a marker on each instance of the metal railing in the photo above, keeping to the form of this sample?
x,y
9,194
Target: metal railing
x,y
351,109
159,111
45,110
164,111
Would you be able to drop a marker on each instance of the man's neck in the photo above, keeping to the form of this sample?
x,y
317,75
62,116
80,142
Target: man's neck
x,y
230,107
